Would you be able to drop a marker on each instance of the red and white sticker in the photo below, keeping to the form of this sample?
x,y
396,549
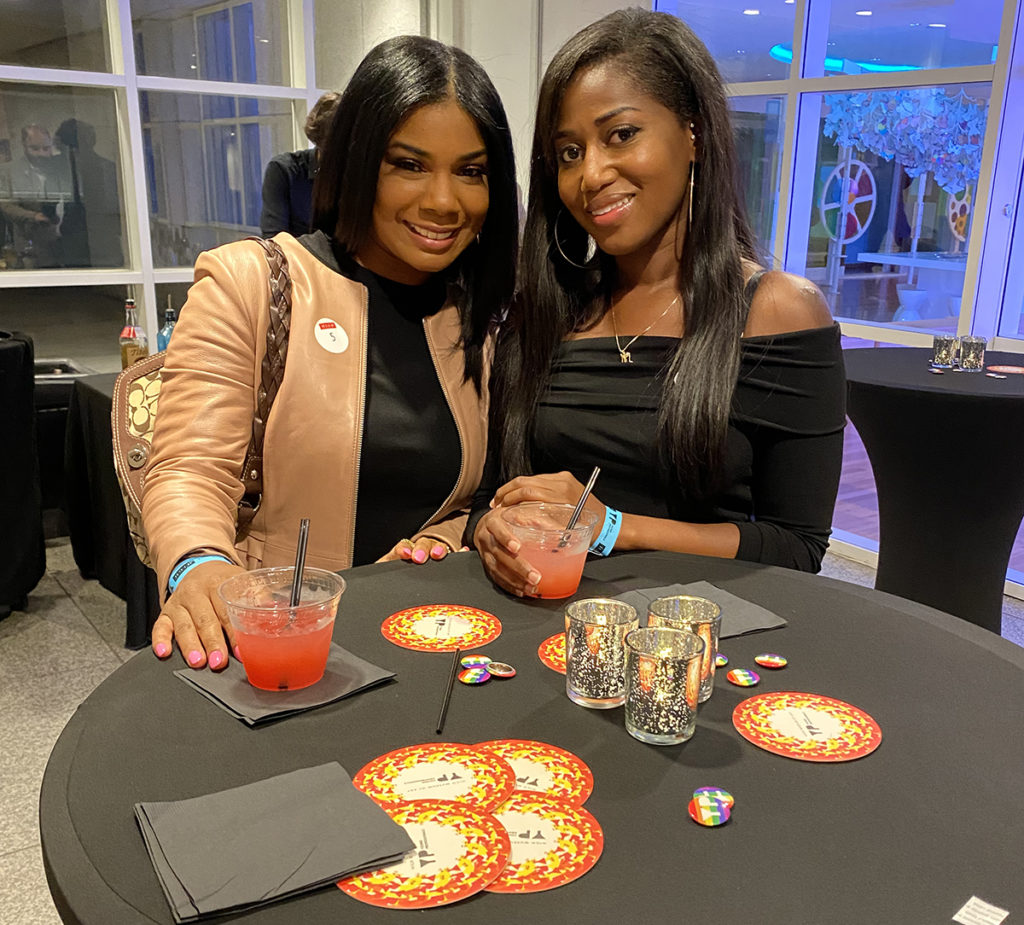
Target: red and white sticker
x,y
441,627
545,768
458,851
553,843
438,771
330,335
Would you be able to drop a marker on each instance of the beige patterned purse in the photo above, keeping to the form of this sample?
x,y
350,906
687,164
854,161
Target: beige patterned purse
x,y
137,396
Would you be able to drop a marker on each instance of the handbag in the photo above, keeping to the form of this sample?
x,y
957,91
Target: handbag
x,y
136,400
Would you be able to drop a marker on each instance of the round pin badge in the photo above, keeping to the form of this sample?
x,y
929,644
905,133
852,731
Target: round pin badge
x,y
716,793
771,660
474,661
743,677
705,810
475,675
501,669
995,375
936,372
721,660
330,335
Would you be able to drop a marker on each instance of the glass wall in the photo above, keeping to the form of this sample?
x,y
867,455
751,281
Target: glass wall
x,y
759,126
56,33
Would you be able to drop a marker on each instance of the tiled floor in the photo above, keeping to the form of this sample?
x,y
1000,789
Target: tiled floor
x,y
54,653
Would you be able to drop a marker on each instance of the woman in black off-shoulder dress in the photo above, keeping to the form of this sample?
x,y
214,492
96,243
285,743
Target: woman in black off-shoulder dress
x,y
646,338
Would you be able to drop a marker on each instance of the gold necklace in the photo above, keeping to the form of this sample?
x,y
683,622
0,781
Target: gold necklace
x,y
624,354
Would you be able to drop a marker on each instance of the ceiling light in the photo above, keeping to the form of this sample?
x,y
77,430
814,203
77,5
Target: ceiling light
x,y
936,25
751,12
862,13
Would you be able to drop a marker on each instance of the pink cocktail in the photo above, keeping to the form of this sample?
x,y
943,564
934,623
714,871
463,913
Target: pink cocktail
x,y
283,648
556,553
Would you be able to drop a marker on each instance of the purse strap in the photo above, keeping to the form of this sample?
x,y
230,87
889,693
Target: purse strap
x,y
271,376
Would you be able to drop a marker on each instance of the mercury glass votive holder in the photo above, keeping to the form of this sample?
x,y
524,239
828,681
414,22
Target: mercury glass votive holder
x,y
944,350
972,353
700,616
595,651
662,684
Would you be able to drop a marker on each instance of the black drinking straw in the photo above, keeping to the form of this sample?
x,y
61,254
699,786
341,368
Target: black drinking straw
x,y
587,489
300,561
448,690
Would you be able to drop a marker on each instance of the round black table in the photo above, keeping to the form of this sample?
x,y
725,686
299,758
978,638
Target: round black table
x,y
948,457
904,835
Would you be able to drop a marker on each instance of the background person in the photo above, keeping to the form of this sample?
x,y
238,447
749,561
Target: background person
x,y
288,179
378,430
710,393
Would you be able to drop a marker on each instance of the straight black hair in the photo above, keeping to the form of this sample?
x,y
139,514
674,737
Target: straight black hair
x,y
395,78
664,59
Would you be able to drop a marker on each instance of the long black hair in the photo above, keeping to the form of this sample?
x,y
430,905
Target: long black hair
x,y
664,59
395,78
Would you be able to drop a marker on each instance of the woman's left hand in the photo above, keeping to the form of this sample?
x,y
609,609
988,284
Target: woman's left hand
x,y
554,488
423,550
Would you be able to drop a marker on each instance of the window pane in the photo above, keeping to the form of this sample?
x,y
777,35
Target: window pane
x,y
71,34
894,35
79,323
60,186
743,36
758,123
1012,322
894,184
242,40
204,169
347,29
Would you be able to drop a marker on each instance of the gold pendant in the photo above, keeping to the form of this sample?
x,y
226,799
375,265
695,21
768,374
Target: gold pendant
x,y
625,357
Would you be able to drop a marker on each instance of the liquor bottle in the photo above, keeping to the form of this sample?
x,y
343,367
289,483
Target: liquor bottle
x,y
134,345
163,337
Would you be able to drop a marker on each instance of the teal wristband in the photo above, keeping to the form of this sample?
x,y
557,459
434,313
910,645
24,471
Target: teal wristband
x,y
186,565
605,541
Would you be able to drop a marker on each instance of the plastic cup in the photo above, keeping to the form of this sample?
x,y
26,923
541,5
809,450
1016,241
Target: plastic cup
x,y
283,648
558,554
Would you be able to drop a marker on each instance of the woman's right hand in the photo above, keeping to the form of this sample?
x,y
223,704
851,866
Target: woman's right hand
x,y
499,552
197,618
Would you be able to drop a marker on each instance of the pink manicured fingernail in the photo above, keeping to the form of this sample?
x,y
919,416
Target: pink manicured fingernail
x,y
216,659
195,657
238,654
162,649
419,556
405,552
438,550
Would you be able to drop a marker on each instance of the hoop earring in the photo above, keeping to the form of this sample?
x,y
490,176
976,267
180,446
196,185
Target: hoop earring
x,y
591,246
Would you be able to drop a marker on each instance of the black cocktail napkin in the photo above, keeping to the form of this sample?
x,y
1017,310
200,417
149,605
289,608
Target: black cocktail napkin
x,y
346,674
739,617
261,842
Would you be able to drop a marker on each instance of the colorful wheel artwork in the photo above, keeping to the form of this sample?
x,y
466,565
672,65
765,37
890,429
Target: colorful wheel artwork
x,y
856,184
958,213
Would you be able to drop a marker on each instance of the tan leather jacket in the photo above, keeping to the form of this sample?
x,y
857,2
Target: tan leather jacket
x,y
313,437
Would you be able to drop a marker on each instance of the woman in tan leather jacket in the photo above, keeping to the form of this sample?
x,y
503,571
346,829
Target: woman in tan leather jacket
x,y
378,430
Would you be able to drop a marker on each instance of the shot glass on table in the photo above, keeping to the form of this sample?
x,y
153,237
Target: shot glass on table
x,y
595,651
662,684
972,353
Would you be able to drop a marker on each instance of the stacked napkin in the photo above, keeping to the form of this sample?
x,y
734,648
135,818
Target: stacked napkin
x,y
251,845
345,674
739,617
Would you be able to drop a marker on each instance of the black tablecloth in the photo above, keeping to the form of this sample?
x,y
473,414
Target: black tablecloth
x,y
100,540
905,835
948,457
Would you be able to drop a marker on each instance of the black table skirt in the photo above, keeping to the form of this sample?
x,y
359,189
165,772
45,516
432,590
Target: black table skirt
x,y
948,458
100,540
905,835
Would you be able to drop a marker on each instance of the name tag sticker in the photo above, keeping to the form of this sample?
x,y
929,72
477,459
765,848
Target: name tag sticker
x,y
978,912
330,335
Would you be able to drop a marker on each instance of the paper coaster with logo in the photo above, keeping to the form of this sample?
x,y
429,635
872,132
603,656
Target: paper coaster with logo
x,y
552,652
809,727
545,768
438,771
553,843
459,850
441,628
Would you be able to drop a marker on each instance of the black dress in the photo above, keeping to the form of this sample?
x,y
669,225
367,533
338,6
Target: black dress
x,y
783,452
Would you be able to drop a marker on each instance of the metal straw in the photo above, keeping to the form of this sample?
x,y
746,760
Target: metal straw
x,y
448,691
300,561
587,489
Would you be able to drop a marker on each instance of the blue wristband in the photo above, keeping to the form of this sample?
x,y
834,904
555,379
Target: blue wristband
x,y
605,541
186,565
